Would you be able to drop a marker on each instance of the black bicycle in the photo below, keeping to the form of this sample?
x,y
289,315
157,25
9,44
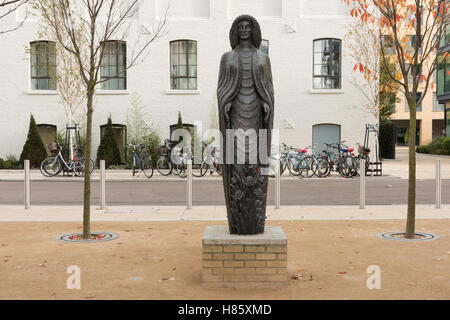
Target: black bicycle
x,y
143,162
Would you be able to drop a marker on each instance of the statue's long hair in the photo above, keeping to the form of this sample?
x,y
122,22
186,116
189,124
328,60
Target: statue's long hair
x,y
234,31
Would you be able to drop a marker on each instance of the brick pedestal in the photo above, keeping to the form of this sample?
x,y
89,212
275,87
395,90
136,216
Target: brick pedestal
x,y
244,260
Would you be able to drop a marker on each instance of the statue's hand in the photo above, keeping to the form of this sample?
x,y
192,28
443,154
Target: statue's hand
x,y
266,112
227,112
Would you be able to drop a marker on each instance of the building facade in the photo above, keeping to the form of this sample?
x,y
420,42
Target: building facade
x,y
314,99
443,79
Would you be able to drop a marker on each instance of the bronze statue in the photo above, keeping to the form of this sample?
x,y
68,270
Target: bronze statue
x,y
246,101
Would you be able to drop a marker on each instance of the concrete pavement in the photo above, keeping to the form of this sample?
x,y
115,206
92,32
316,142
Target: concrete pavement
x,y
174,213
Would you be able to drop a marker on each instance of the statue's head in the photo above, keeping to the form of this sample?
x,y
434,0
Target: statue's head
x,y
245,27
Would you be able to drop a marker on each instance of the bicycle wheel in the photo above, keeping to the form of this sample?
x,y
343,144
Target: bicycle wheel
x,y
343,167
322,168
82,160
218,168
307,166
283,165
181,170
199,170
78,168
293,165
164,165
51,166
147,166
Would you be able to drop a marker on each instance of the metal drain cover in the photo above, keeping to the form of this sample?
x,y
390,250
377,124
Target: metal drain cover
x,y
423,236
70,237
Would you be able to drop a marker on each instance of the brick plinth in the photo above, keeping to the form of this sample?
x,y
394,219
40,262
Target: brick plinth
x,y
244,261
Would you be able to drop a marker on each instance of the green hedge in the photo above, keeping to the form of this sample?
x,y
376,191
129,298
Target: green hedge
x,y
387,140
440,146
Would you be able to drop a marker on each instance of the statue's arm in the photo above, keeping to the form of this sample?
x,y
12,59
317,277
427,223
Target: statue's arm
x,y
223,86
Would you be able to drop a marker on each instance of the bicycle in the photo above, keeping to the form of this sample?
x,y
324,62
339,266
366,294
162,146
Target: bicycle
x,y
144,162
210,162
335,160
164,163
301,164
53,165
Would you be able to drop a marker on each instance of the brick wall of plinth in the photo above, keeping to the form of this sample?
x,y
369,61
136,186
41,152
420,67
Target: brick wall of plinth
x,y
244,265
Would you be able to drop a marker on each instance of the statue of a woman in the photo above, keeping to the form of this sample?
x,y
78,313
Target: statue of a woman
x,y
246,101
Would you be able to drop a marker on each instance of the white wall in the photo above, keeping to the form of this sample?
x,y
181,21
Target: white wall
x,y
291,58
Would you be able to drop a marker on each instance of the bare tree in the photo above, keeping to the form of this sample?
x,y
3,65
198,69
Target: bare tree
x,y
87,26
8,7
414,28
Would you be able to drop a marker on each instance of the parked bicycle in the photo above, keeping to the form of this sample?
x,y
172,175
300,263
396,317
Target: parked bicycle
x,y
53,165
301,164
143,162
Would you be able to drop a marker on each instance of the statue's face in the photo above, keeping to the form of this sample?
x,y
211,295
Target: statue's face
x,y
245,30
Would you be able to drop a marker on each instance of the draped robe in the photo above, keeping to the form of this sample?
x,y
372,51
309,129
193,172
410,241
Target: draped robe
x,y
243,218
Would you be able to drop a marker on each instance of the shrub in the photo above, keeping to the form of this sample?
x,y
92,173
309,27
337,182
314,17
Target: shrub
x,y
440,146
15,164
33,148
108,150
387,139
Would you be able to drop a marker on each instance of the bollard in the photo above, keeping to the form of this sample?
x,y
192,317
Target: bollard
x,y
189,184
362,184
438,184
26,166
277,185
102,185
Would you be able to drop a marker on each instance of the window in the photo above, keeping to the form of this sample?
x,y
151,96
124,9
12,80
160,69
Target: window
x,y
418,107
43,65
419,72
436,105
445,37
264,47
327,64
114,66
388,44
183,65
443,77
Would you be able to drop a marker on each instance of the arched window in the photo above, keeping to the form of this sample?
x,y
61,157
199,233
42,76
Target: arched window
x,y
113,69
183,65
43,65
327,64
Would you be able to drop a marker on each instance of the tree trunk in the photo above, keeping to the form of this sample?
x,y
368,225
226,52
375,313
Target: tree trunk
x,y
87,168
411,217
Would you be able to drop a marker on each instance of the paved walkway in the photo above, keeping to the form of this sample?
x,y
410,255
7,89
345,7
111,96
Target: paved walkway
x,y
175,213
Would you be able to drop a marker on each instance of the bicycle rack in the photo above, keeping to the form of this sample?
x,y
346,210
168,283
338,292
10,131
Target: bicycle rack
x,y
376,166
71,132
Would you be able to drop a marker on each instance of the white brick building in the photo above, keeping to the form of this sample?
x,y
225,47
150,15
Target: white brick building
x,y
289,26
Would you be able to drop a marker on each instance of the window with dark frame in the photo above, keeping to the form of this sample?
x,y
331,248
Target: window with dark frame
x,y
113,68
327,64
43,65
183,65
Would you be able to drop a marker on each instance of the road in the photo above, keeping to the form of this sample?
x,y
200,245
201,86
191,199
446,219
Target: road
x,y
380,190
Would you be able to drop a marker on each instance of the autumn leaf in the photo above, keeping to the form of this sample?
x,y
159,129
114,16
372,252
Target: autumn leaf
x,y
342,272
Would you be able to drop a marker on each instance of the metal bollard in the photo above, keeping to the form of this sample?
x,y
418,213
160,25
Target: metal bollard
x,y
26,166
189,185
438,184
277,185
102,185
362,184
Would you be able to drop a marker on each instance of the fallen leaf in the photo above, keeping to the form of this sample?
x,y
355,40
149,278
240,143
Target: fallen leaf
x,y
90,297
298,276
311,277
411,284
301,269
437,259
172,278
42,265
356,251
342,272
319,288
6,260
4,245
53,294
351,217
340,237
174,268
